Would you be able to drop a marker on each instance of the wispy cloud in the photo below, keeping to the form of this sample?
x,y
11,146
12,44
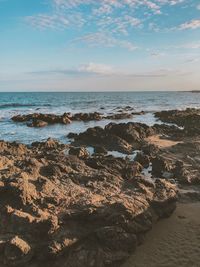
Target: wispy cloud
x,y
193,24
96,68
157,54
105,40
118,17
99,69
87,69
190,45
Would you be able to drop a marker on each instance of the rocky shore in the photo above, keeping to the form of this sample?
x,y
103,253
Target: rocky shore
x,y
42,120
62,205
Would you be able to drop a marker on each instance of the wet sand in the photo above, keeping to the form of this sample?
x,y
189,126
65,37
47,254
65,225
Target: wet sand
x,y
161,142
173,242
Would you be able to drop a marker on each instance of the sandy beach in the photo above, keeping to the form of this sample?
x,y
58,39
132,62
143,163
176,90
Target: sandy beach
x,y
172,242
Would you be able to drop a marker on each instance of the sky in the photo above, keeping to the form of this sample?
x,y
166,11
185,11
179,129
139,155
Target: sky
x,y
105,45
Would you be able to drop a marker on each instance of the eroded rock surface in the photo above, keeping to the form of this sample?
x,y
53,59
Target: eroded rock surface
x,y
61,210
122,137
41,120
189,119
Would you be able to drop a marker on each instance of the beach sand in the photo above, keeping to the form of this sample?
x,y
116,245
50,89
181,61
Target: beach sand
x,y
173,242
161,142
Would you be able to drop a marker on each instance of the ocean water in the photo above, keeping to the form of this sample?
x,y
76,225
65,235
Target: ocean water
x,y
22,103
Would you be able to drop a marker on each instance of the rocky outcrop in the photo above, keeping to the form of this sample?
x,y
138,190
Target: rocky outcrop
x,y
80,152
189,119
41,120
47,118
180,162
122,137
119,116
67,210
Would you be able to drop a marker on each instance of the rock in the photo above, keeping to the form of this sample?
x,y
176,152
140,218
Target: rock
x,y
41,120
160,166
143,159
164,198
17,252
80,152
171,131
37,123
119,116
150,149
72,135
189,119
182,174
139,113
123,137
133,171
87,116
75,210
100,150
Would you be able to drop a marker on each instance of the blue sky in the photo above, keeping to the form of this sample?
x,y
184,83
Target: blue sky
x,y
58,45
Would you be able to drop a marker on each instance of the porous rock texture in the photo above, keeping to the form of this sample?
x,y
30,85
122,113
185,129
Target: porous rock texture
x,y
61,210
189,119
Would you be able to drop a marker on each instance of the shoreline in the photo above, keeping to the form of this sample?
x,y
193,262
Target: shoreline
x,y
172,242
74,208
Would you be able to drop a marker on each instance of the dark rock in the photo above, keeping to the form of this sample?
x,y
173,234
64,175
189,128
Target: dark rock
x,y
100,150
143,159
150,149
189,119
17,252
119,116
123,137
41,120
72,135
37,123
160,166
80,152
61,210
87,116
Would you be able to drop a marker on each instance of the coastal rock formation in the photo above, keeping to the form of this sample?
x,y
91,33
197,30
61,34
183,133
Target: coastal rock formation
x,y
189,119
119,116
122,137
62,210
41,120
80,152
180,162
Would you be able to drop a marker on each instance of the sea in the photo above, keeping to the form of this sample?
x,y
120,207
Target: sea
x,y
104,102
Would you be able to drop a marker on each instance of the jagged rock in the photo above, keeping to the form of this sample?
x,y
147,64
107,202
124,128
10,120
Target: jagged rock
x,y
123,137
61,210
150,149
182,174
119,116
41,120
160,166
87,116
143,159
189,119
37,123
17,252
80,152
100,150
72,135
